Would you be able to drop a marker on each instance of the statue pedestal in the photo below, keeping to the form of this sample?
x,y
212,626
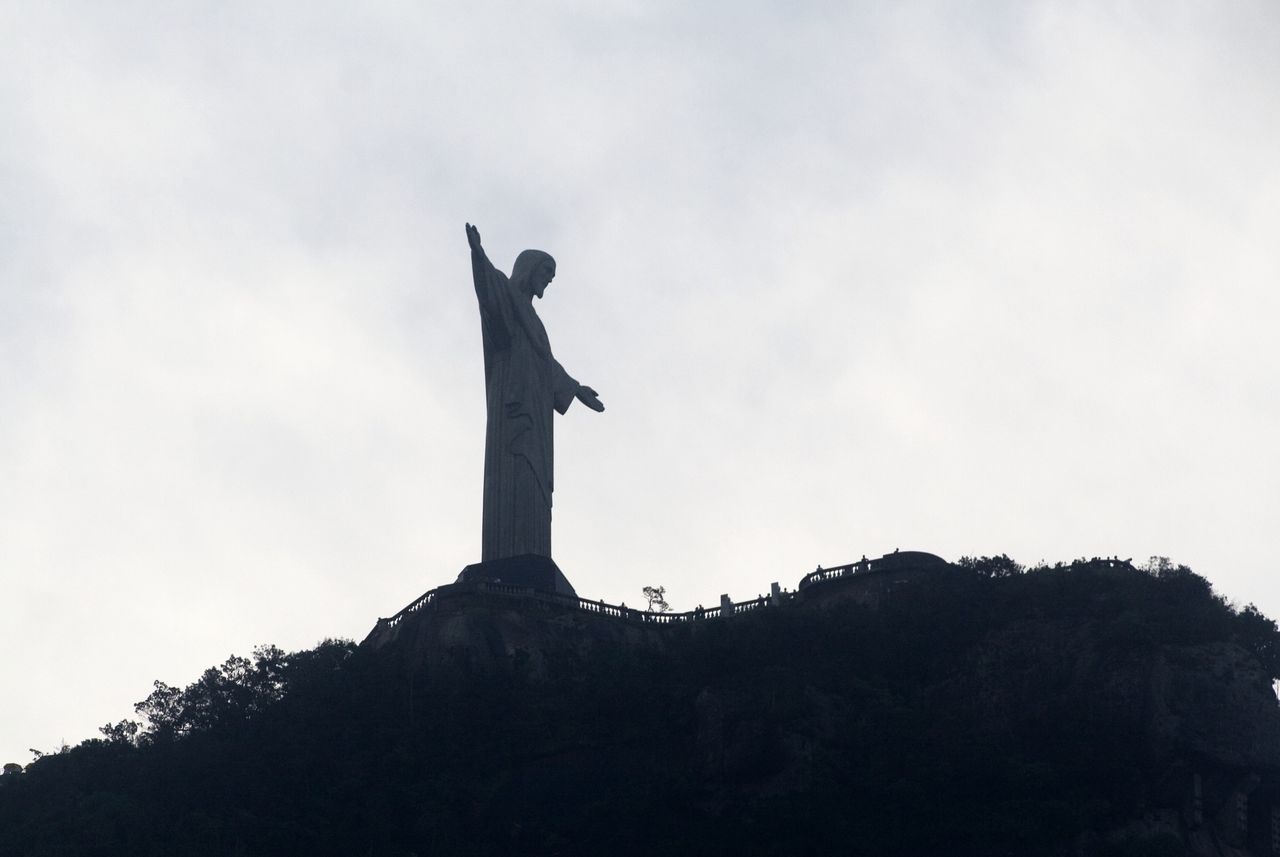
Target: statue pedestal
x,y
531,570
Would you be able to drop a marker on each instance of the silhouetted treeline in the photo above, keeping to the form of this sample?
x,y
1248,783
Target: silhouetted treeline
x,y
984,711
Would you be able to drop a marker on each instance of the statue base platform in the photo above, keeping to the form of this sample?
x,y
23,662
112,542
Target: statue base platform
x,y
531,570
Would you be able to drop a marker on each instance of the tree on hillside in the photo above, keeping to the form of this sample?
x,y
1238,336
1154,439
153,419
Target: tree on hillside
x,y
991,566
124,732
1258,633
657,598
238,690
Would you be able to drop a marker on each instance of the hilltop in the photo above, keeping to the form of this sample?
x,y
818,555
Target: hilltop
x,y
1091,708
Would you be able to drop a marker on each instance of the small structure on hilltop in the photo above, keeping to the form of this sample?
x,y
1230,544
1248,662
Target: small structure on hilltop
x,y
867,580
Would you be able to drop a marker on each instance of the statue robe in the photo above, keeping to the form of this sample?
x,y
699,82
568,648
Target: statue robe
x,y
523,383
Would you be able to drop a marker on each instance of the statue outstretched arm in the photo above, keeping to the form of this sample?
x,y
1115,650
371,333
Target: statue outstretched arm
x,y
473,238
565,389
481,267
487,280
590,398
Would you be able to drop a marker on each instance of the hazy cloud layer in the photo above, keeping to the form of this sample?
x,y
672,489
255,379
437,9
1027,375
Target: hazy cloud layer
x,y
960,278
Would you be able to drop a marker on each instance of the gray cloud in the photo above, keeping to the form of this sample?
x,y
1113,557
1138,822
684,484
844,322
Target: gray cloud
x,y
982,279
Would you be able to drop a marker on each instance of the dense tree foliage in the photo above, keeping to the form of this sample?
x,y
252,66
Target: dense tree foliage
x,y
971,713
991,566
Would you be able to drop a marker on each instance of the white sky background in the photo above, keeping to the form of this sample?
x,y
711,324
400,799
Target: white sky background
x,y
964,278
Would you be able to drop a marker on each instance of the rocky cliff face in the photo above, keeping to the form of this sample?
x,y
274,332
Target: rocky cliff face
x,y
1214,702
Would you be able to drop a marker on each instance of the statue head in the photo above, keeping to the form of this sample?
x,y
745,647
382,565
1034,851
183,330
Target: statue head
x,y
533,272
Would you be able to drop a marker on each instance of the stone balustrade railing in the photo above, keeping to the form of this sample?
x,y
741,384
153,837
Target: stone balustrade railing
x,y
422,601
621,611
820,574
895,561
617,611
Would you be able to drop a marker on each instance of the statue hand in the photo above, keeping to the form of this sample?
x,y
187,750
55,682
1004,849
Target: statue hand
x,y
590,398
473,237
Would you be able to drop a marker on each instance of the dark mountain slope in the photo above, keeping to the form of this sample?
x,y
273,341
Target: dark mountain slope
x,y
1088,709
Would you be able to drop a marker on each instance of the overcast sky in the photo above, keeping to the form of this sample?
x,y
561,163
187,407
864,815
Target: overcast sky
x,y
967,278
